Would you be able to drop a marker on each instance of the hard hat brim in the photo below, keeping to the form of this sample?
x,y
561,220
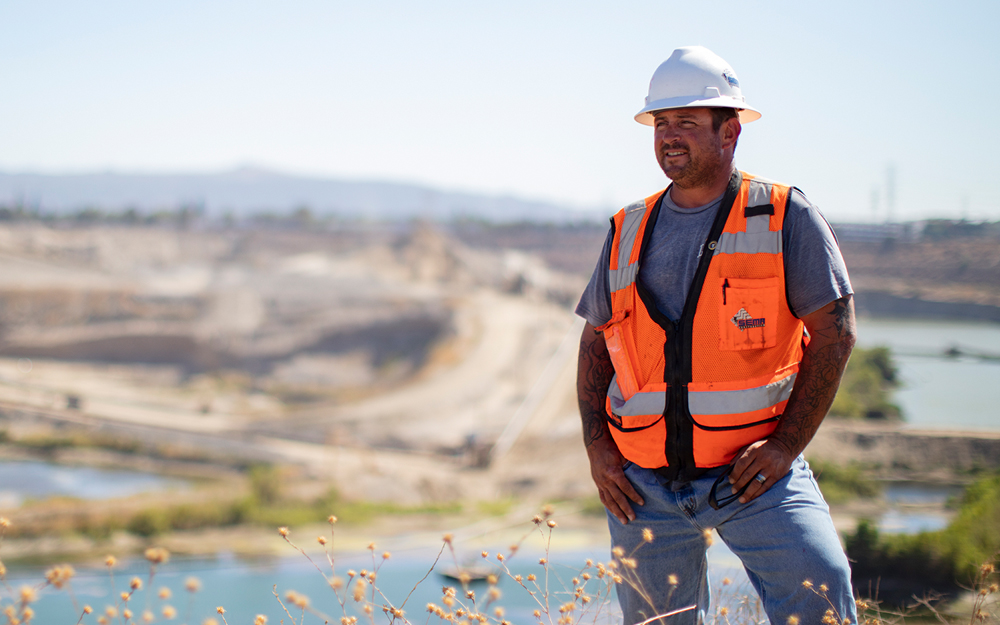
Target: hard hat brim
x,y
747,113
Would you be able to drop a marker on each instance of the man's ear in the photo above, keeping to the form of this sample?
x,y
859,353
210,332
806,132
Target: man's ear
x,y
730,131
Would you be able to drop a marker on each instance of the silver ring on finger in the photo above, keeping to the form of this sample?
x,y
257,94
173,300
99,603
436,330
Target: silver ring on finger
x,y
760,478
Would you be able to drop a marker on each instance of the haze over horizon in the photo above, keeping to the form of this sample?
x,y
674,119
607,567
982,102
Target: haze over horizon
x,y
523,100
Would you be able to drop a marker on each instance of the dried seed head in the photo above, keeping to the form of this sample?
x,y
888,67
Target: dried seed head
x,y
550,523
135,584
543,561
485,554
531,577
371,546
157,555
537,520
127,614
110,561
793,620
360,588
283,531
672,579
723,611
59,575
500,557
220,610
726,581
494,594
260,619
148,617
331,519
192,584
4,522
337,583
164,593
647,535
447,538
492,579
27,594
386,555
547,510
87,609
807,584
168,612
617,552
321,540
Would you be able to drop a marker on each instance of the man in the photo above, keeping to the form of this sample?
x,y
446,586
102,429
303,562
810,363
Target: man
x,y
719,324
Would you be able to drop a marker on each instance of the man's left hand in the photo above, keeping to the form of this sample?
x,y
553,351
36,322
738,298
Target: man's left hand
x,y
768,458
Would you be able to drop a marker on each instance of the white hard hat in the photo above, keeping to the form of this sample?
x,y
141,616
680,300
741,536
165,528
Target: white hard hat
x,y
694,76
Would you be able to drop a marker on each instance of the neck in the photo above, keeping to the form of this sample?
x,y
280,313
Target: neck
x,y
692,197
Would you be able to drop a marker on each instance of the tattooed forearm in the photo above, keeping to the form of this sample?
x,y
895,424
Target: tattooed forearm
x,y
594,373
832,334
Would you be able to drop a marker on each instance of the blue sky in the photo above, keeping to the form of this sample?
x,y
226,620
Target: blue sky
x,y
533,99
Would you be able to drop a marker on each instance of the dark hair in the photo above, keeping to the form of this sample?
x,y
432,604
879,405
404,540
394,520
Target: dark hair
x,y
720,115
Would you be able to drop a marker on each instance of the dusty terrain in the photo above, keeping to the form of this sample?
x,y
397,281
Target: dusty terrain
x,y
393,361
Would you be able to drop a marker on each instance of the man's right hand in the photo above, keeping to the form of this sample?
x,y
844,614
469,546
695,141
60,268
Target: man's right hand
x,y
613,487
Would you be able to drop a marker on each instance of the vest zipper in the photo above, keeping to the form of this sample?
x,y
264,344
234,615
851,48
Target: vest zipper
x,y
725,285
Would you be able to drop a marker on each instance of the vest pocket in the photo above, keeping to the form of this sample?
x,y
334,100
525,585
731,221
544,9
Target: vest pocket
x,y
748,313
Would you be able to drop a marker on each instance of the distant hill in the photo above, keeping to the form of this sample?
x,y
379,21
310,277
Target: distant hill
x,y
248,191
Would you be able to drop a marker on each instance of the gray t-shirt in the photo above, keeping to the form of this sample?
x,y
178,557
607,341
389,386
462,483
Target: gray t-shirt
x,y
815,274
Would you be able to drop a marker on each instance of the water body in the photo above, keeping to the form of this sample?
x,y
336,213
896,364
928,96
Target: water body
x,y
939,391
917,507
22,480
245,586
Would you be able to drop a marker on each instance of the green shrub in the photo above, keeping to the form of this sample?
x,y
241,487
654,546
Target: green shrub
x,y
149,522
868,383
840,484
941,561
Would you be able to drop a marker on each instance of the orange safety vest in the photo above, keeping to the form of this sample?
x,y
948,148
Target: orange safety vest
x,y
693,392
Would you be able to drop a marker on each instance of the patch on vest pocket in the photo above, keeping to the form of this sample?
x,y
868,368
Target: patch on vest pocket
x,y
743,320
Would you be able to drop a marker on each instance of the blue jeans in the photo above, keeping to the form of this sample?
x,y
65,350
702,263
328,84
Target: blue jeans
x,y
784,537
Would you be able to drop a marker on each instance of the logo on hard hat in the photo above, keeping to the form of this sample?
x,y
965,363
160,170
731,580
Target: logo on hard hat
x,y
744,320
730,78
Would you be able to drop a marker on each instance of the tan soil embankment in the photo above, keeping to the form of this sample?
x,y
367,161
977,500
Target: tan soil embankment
x,y
892,451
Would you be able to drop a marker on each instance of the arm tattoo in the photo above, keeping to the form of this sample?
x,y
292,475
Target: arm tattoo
x,y
820,371
593,376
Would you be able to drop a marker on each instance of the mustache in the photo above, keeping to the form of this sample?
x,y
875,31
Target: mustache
x,y
673,146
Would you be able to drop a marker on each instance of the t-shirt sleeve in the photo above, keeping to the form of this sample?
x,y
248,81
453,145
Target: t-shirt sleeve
x,y
815,273
595,303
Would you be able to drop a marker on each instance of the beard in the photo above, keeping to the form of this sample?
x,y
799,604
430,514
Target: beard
x,y
701,169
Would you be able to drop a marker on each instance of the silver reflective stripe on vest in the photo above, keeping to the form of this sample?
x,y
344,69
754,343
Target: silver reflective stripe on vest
x,y
757,239
735,402
749,243
638,404
704,402
759,193
625,274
